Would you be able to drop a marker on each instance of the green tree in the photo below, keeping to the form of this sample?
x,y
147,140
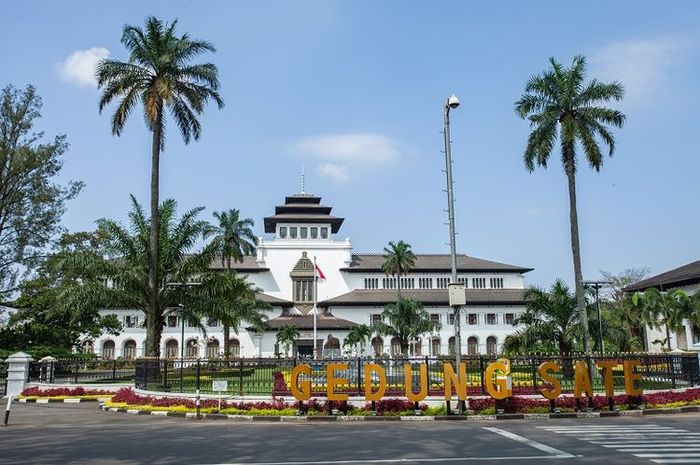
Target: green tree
x,y
406,320
233,240
665,310
159,74
399,260
117,274
561,106
550,322
358,335
31,202
286,336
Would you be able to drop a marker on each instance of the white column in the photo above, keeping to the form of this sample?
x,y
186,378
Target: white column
x,y
688,326
17,373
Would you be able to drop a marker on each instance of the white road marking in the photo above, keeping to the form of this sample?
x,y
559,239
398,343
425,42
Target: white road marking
x,y
675,460
671,456
407,460
530,442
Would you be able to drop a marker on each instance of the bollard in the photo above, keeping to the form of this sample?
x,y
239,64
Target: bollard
x,y
7,411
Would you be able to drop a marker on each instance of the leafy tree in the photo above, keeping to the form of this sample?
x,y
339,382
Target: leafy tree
x,y
399,259
286,336
561,106
31,202
625,323
405,320
550,322
665,310
233,240
160,75
117,275
358,335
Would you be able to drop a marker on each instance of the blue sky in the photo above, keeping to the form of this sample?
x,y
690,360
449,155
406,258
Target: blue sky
x,y
355,89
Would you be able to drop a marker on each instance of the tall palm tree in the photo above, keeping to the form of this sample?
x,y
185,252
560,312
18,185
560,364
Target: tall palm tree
x,y
550,322
561,106
406,320
116,276
160,75
666,310
358,335
286,336
233,240
399,259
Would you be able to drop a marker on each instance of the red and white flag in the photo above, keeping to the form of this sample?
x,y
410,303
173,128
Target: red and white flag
x,y
319,274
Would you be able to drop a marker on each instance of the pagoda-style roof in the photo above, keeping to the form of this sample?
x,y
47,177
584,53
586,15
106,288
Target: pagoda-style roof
x,y
302,208
432,263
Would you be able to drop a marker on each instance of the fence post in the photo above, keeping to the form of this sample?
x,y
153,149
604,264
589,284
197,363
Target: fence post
x,y
165,374
17,373
77,367
481,373
240,377
198,375
114,371
359,377
534,375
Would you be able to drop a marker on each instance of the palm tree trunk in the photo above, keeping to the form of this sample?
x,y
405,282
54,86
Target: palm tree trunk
x,y
153,345
227,336
668,336
576,247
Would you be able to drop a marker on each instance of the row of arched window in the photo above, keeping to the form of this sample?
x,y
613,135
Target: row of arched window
x,y
172,348
415,347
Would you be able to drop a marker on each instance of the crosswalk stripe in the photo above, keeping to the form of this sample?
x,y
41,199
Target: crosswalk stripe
x,y
661,449
684,460
671,456
649,445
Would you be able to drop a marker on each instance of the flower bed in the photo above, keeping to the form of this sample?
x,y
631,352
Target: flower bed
x,y
64,393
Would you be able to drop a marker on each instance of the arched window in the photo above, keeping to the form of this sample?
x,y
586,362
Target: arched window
x,y
416,346
171,349
395,347
451,345
191,349
234,347
108,350
435,346
130,349
88,347
472,345
491,345
377,346
213,348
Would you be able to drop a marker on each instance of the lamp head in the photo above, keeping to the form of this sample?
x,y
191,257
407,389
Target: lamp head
x,y
453,101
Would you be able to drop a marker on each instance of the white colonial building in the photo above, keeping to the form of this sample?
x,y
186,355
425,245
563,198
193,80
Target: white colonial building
x,y
354,291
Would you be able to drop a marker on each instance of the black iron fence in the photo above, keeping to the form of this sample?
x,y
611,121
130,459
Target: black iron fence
x,y
77,371
265,376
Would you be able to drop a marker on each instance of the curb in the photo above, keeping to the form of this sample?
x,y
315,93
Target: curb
x,y
63,401
468,418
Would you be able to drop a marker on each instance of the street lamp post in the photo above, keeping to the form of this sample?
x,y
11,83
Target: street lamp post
x,y
597,285
456,292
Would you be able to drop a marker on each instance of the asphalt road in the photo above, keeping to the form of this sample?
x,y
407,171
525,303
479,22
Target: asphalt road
x,y
82,434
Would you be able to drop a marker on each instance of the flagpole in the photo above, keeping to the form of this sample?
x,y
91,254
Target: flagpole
x,y
315,302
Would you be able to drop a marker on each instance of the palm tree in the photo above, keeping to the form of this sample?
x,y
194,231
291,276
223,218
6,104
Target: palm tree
x,y
358,335
561,106
159,74
550,322
406,320
233,240
117,274
665,309
399,259
286,336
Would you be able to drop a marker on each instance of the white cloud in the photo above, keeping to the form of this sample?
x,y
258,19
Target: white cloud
x,y
337,172
643,66
79,67
342,155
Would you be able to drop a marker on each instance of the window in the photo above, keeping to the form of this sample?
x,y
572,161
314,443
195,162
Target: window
x,y
303,232
496,283
314,232
472,346
395,347
212,322
451,319
108,350
303,290
435,318
479,283
510,318
425,283
234,347
389,283
293,232
435,346
472,319
213,348
375,319
491,345
442,283
191,323
408,283
191,349
130,321
371,283
324,233
490,318
171,321
171,349
464,281
283,232
451,345
377,346
130,349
